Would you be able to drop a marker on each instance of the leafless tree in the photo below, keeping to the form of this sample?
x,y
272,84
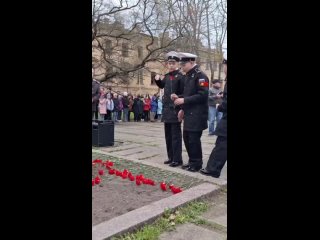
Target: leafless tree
x,y
123,27
202,22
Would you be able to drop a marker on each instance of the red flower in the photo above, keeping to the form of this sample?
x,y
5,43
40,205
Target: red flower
x,y
100,172
163,186
125,171
110,164
129,174
111,171
124,175
118,173
152,183
92,182
176,190
131,178
97,180
171,186
108,167
97,161
138,182
145,181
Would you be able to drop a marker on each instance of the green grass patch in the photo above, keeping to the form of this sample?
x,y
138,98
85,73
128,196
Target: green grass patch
x,y
188,213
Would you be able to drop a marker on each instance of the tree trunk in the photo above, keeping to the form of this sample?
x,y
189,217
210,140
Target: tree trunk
x,y
209,45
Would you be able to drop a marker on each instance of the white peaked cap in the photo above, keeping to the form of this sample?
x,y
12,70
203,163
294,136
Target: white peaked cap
x,y
186,55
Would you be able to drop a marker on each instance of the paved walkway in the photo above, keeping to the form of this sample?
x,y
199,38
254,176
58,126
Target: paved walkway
x,y
145,141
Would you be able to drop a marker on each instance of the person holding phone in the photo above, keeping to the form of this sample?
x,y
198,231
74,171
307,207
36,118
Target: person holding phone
x,y
214,100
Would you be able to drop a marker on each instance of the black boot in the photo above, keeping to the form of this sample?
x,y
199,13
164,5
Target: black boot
x,y
185,166
168,161
204,171
193,169
175,164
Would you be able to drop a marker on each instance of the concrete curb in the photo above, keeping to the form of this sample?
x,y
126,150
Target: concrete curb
x,y
138,217
217,181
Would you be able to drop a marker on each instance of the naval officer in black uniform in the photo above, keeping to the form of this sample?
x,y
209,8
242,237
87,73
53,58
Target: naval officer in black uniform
x,y
218,156
172,82
194,104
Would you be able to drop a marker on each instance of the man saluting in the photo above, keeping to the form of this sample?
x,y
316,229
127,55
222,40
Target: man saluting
x,y
172,82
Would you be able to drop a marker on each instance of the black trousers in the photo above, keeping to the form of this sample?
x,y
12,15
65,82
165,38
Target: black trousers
x,y
146,116
119,117
95,115
137,116
173,137
192,143
218,156
108,115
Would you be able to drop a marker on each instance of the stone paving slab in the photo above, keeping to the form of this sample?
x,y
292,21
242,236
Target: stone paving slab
x,y
123,146
217,214
191,231
138,217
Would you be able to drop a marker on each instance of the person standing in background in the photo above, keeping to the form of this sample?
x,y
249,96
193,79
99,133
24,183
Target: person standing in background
x,y
214,99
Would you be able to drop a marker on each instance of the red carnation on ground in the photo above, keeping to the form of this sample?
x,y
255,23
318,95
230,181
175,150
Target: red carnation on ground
x,y
111,171
163,186
176,190
108,167
152,183
140,177
110,164
145,181
97,161
131,178
97,180
100,172
138,182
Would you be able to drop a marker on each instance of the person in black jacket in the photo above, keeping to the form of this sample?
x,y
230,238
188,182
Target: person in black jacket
x,y
218,156
172,82
194,102
95,98
125,102
137,108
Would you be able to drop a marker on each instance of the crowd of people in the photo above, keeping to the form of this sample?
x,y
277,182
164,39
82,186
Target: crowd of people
x,y
126,107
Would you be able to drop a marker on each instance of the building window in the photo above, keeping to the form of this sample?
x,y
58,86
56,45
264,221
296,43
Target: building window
x,y
140,77
108,46
125,50
153,74
140,52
